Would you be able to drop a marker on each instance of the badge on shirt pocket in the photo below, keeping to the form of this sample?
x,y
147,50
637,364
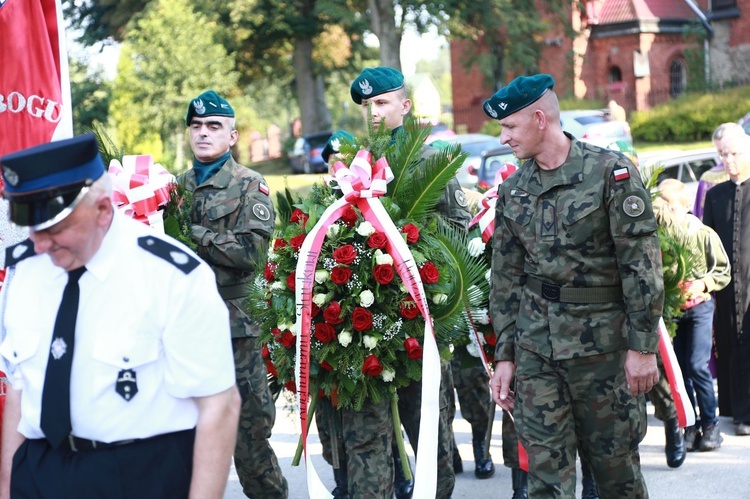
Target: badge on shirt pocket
x,y
126,384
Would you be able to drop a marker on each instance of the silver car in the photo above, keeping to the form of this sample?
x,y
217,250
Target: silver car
x,y
595,126
475,144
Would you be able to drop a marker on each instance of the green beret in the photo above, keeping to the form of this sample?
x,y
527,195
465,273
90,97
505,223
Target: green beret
x,y
209,103
626,148
521,92
375,81
334,142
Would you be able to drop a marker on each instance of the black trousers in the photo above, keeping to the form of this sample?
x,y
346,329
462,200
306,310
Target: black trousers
x,y
154,468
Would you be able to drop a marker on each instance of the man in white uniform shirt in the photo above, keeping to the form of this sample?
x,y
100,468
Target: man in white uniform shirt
x,y
152,402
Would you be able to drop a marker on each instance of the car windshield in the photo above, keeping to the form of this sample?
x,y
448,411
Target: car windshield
x,y
591,119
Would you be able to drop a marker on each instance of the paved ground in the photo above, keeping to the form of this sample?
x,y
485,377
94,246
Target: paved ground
x,y
722,474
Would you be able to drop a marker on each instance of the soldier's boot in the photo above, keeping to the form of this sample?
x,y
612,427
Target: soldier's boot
x,y
458,464
402,487
520,483
675,446
484,468
588,485
342,482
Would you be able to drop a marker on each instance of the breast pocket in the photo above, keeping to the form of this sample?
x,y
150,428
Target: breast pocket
x,y
518,212
21,352
218,210
121,354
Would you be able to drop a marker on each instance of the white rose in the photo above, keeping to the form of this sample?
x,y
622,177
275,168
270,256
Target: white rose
x,y
383,258
284,326
370,341
481,316
320,299
439,298
365,229
321,276
476,247
473,349
388,375
333,230
366,298
345,338
488,275
278,286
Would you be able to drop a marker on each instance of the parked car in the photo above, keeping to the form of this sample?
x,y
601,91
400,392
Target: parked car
x,y
496,161
475,144
745,123
305,155
685,166
440,131
595,126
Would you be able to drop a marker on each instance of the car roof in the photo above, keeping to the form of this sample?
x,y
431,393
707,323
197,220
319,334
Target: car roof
x,y
465,138
677,155
581,112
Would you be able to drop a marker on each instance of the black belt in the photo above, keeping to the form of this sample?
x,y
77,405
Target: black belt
x,y
553,292
232,292
77,444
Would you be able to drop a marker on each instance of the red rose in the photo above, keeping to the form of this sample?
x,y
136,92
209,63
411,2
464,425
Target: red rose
x,y
332,313
383,273
298,216
328,367
264,352
412,233
361,319
289,385
278,243
377,240
491,339
287,339
413,350
275,332
340,275
297,241
268,272
345,255
429,273
349,217
314,310
271,368
290,280
371,366
408,309
324,332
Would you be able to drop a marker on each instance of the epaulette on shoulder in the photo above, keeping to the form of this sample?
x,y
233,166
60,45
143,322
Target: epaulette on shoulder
x,y
18,252
169,252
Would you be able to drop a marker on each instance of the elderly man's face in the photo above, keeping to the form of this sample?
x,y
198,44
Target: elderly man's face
x,y
735,152
388,108
211,137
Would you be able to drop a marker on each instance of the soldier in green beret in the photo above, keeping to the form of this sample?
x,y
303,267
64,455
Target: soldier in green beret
x,y
233,220
577,294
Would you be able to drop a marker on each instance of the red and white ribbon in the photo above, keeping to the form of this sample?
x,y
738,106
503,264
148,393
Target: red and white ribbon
x,y
685,411
362,183
141,188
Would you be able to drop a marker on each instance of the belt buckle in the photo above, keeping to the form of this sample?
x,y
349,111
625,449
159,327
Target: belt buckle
x,y
550,292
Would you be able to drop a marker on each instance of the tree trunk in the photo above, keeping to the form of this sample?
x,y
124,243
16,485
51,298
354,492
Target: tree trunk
x,y
310,88
383,24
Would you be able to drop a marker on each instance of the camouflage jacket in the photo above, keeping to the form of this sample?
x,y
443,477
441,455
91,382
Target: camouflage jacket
x,y
233,219
591,227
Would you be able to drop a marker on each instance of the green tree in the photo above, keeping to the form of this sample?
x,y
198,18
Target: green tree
x,y
90,95
162,66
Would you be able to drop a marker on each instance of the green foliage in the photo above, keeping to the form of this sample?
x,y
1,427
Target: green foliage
x,y
690,117
107,148
177,222
90,95
677,262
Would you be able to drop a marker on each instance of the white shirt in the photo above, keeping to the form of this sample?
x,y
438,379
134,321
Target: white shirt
x,y
137,311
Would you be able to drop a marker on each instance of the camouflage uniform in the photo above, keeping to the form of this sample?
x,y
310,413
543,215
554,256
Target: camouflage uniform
x,y
587,225
473,388
233,220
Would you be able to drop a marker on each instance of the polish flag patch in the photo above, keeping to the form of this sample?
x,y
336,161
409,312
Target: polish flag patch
x,y
621,174
264,189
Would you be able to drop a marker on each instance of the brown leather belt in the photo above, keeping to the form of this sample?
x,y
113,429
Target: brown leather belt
x,y
562,294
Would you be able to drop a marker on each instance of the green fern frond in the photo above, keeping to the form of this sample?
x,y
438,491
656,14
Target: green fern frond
x,y
107,148
405,151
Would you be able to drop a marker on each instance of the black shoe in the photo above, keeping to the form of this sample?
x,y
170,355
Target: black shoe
x,y
712,438
693,438
402,487
342,486
458,464
675,446
588,484
520,484
485,468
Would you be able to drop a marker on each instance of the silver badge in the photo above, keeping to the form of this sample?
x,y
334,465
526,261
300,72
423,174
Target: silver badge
x,y
199,107
10,176
261,212
460,196
365,86
490,110
633,206
58,348
335,144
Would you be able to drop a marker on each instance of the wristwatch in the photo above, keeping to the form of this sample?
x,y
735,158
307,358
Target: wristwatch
x,y
644,352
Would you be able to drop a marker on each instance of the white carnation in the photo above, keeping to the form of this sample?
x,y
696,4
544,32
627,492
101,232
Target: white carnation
x,y
481,316
476,247
345,338
321,276
278,286
388,375
333,230
369,341
320,299
383,258
365,229
473,349
366,298
285,326
488,275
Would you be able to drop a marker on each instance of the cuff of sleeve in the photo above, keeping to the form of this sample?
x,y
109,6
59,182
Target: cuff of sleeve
x,y
198,233
505,351
643,341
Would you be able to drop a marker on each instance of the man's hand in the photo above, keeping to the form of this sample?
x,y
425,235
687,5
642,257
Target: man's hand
x,y
641,372
500,384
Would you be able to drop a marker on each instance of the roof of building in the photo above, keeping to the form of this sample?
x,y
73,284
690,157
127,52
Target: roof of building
x,y
621,11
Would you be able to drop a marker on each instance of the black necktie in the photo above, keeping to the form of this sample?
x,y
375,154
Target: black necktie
x,y
55,420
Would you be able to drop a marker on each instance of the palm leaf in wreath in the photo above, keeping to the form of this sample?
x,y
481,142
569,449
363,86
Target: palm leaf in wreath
x,y
107,148
405,151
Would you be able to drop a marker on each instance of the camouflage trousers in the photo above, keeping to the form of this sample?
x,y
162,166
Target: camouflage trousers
x,y
409,404
254,459
473,389
584,404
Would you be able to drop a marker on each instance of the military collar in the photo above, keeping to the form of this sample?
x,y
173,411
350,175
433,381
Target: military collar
x,y
569,173
222,178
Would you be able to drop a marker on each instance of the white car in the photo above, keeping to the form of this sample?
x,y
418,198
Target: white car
x,y
595,126
685,166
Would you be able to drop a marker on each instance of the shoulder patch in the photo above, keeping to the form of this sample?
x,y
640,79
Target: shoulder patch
x,y
633,206
174,255
18,252
262,212
264,189
621,174
460,196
